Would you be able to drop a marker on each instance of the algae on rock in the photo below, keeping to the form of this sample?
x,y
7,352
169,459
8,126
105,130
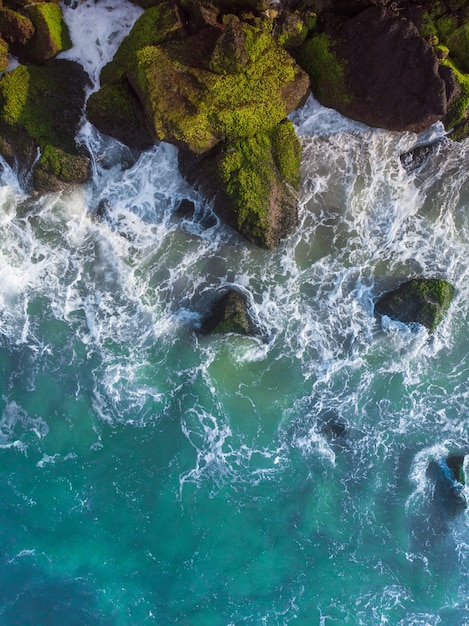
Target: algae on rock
x,y
421,300
40,110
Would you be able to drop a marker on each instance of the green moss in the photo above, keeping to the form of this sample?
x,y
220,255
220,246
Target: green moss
x,y
458,107
428,29
446,25
52,35
195,108
67,167
435,296
286,151
458,43
151,28
38,109
246,172
317,57
3,54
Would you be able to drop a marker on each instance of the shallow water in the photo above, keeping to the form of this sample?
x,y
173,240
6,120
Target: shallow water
x,y
152,476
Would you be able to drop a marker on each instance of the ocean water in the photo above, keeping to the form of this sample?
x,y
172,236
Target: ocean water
x,y
153,476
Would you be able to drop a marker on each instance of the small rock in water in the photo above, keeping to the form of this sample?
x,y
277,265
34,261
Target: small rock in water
x,y
423,301
448,476
416,157
229,315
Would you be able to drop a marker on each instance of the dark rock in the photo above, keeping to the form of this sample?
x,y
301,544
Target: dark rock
x,y
421,300
416,157
16,29
448,488
186,208
229,315
51,32
376,68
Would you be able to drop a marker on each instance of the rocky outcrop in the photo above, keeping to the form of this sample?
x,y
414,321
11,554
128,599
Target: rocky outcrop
x,y
376,68
229,315
221,88
40,111
423,301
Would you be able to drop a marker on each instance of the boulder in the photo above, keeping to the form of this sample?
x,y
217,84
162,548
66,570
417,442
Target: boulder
x,y
51,32
37,33
229,315
40,112
254,183
376,68
421,300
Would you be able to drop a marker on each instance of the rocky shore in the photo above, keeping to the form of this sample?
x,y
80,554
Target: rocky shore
x,y
218,80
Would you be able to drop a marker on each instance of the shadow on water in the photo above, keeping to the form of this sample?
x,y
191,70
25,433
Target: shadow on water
x,y
29,598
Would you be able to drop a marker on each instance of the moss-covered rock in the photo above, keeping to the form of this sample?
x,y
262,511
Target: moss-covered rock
x,y
3,54
16,29
51,32
292,28
421,300
40,111
326,70
189,104
117,112
229,315
254,182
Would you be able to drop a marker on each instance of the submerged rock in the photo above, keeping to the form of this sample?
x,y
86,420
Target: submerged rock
x,y
421,300
230,314
40,112
416,157
449,480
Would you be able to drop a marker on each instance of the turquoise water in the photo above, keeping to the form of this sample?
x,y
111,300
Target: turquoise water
x,y
151,476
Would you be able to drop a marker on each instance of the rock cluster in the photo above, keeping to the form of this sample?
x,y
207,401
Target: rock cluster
x,y
218,78
218,86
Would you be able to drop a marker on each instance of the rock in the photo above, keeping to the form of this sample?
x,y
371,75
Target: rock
x,y
37,34
3,54
254,183
449,489
421,300
416,157
40,112
16,29
51,32
229,315
292,28
376,68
